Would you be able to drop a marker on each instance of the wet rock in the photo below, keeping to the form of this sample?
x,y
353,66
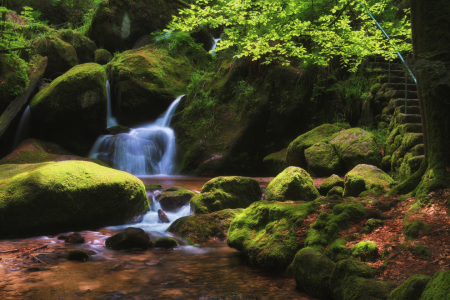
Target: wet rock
x,y
166,242
162,216
75,238
292,184
364,178
117,130
153,263
84,47
102,56
329,183
152,187
174,198
128,238
62,237
312,270
77,255
66,195
226,192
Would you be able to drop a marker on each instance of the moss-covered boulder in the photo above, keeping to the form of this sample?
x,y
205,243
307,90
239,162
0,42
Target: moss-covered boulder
x,y
438,287
129,238
336,191
345,269
312,270
226,192
102,56
366,177
358,288
296,151
174,198
411,289
145,82
32,151
371,225
266,232
71,110
322,160
166,242
276,162
201,228
62,56
365,250
292,184
84,47
118,24
356,146
13,78
51,197
329,183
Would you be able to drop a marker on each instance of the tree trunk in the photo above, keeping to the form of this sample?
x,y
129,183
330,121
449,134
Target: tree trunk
x,y
431,46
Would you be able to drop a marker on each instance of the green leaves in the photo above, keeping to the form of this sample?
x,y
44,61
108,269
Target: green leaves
x,y
283,29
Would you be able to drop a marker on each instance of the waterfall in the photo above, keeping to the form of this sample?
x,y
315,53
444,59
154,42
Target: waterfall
x,y
146,150
23,131
213,48
110,120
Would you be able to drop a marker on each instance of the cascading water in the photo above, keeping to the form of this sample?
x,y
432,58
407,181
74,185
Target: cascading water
x,y
110,120
146,150
23,130
213,48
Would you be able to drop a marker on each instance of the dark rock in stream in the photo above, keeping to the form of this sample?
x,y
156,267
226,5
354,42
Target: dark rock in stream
x,y
75,238
166,242
162,216
174,198
230,296
129,238
78,255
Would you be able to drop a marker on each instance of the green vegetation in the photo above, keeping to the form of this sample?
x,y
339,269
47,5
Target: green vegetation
x,y
166,242
365,250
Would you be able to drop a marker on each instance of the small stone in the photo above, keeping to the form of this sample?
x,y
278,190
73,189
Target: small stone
x,y
77,255
75,238
162,216
166,242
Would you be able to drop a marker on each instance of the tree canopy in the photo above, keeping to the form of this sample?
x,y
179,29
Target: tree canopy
x,y
314,30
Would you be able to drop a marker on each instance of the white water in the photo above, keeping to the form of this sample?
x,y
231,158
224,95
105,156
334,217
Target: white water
x,y
144,151
110,120
151,222
213,48
23,131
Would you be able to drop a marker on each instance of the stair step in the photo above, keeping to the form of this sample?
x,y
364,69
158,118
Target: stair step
x,y
418,149
400,86
393,94
412,128
394,79
409,109
401,101
408,118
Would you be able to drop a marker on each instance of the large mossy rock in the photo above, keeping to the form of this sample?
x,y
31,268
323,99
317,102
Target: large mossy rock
x,y
226,192
145,82
411,289
266,232
343,270
201,228
296,151
62,56
312,270
359,288
84,47
118,24
32,151
292,184
129,238
175,197
322,160
438,287
275,163
356,146
366,177
52,197
71,110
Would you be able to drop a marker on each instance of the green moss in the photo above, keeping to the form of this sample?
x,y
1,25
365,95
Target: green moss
x,y
336,191
366,250
77,255
226,192
151,186
102,56
292,184
64,196
337,250
357,288
276,162
266,232
329,183
84,47
371,225
311,272
322,160
327,226
366,177
166,242
343,271
415,227
295,152
438,287
411,289
13,78
200,228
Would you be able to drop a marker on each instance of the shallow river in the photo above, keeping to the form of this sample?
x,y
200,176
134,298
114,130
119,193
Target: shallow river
x,y
186,272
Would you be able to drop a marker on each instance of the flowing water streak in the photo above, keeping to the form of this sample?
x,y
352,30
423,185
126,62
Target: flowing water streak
x,y
23,131
147,150
110,120
213,48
